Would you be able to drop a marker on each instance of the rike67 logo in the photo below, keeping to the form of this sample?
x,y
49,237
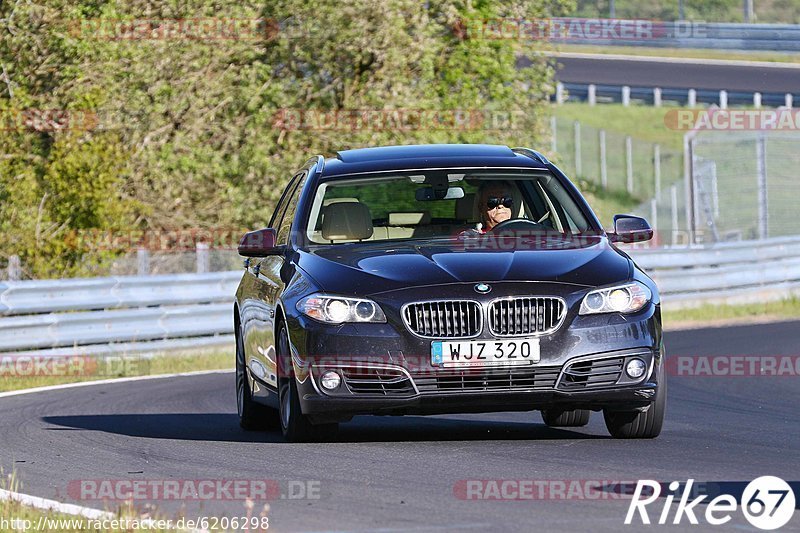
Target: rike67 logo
x,y
767,502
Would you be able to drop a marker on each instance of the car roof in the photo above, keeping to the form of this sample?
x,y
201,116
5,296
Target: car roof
x,y
422,156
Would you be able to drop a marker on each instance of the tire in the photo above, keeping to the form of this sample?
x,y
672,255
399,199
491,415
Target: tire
x,y
557,418
253,416
637,424
295,426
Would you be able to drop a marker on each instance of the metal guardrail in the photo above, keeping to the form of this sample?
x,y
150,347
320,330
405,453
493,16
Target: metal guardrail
x,y
135,314
713,35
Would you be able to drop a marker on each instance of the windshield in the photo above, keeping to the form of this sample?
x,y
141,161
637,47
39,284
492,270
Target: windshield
x,y
437,204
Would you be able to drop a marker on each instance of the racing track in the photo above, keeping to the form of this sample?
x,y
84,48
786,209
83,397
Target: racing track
x,y
398,473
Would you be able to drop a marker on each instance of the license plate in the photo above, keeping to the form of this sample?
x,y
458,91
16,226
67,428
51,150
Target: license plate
x,y
518,352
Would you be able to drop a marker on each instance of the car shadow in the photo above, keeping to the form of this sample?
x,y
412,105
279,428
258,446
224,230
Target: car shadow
x,y
224,427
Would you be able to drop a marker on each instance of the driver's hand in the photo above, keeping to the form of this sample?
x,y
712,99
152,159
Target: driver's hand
x,y
469,234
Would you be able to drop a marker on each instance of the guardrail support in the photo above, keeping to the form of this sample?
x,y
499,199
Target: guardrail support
x,y
143,261
673,206
692,98
14,268
626,95
788,100
629,163
757,100
203,259
657,97
723,99
559,93
657,170
591,96
603,161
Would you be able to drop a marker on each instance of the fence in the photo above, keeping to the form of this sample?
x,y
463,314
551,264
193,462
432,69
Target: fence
x,y
593,94
614,161
157,313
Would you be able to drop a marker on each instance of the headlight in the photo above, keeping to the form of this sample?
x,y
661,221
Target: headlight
x,y
338,309
627,298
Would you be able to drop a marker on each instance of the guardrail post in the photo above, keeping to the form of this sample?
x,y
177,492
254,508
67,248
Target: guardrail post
x,y
143,261
673,206
723,99
761,170
692,98
654,221
657,96
629,163
591,96
203,259
757,100
603,161
626,95
559,93
14,268
657,170
788,100
578,162
553,135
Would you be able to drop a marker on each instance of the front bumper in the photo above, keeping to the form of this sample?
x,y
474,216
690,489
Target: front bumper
x,y
388,370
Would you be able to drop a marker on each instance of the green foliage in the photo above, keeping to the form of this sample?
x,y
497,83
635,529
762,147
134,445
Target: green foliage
x,y
187,135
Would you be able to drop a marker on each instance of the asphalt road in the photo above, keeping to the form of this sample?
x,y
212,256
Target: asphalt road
x,y
399,473
686,74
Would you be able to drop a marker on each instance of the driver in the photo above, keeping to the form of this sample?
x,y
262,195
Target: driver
x,y
495,204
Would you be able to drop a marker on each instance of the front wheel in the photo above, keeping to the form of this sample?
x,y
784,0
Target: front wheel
x,y
252,415
296,426
638,424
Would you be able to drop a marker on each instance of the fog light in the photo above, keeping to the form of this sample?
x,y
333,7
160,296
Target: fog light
x,y
635,368
330,380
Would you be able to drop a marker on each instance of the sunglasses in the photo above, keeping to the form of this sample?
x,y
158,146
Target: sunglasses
x,y
493,201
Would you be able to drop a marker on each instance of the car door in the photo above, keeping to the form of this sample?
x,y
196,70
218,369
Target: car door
x,y
268,286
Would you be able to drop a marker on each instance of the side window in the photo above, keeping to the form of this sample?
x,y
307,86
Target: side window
x,y
291,206
280,207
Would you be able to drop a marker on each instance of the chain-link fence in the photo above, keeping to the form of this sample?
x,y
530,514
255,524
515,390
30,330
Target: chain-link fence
x,y
613,160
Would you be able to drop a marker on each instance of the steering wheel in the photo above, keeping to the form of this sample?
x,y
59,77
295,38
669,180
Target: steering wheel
x,y
513,224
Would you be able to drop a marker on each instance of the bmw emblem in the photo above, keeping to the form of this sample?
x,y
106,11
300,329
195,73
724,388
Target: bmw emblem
x,y
483,288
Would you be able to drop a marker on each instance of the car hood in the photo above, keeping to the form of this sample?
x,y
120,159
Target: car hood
x,y
370,268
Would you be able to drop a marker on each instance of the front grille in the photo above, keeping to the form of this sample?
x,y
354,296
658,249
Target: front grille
x,y
475,380
377,381
525,316
591,374
444,319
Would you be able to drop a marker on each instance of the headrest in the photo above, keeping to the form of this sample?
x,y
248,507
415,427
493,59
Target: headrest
x,y
329,201
465,208
347,221
409,219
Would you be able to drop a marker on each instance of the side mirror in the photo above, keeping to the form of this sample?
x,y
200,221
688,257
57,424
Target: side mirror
x,y
259,243
628,228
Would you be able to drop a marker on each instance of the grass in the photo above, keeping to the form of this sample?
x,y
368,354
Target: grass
x,y
13,376
694,53
606,204
721,314
642,122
